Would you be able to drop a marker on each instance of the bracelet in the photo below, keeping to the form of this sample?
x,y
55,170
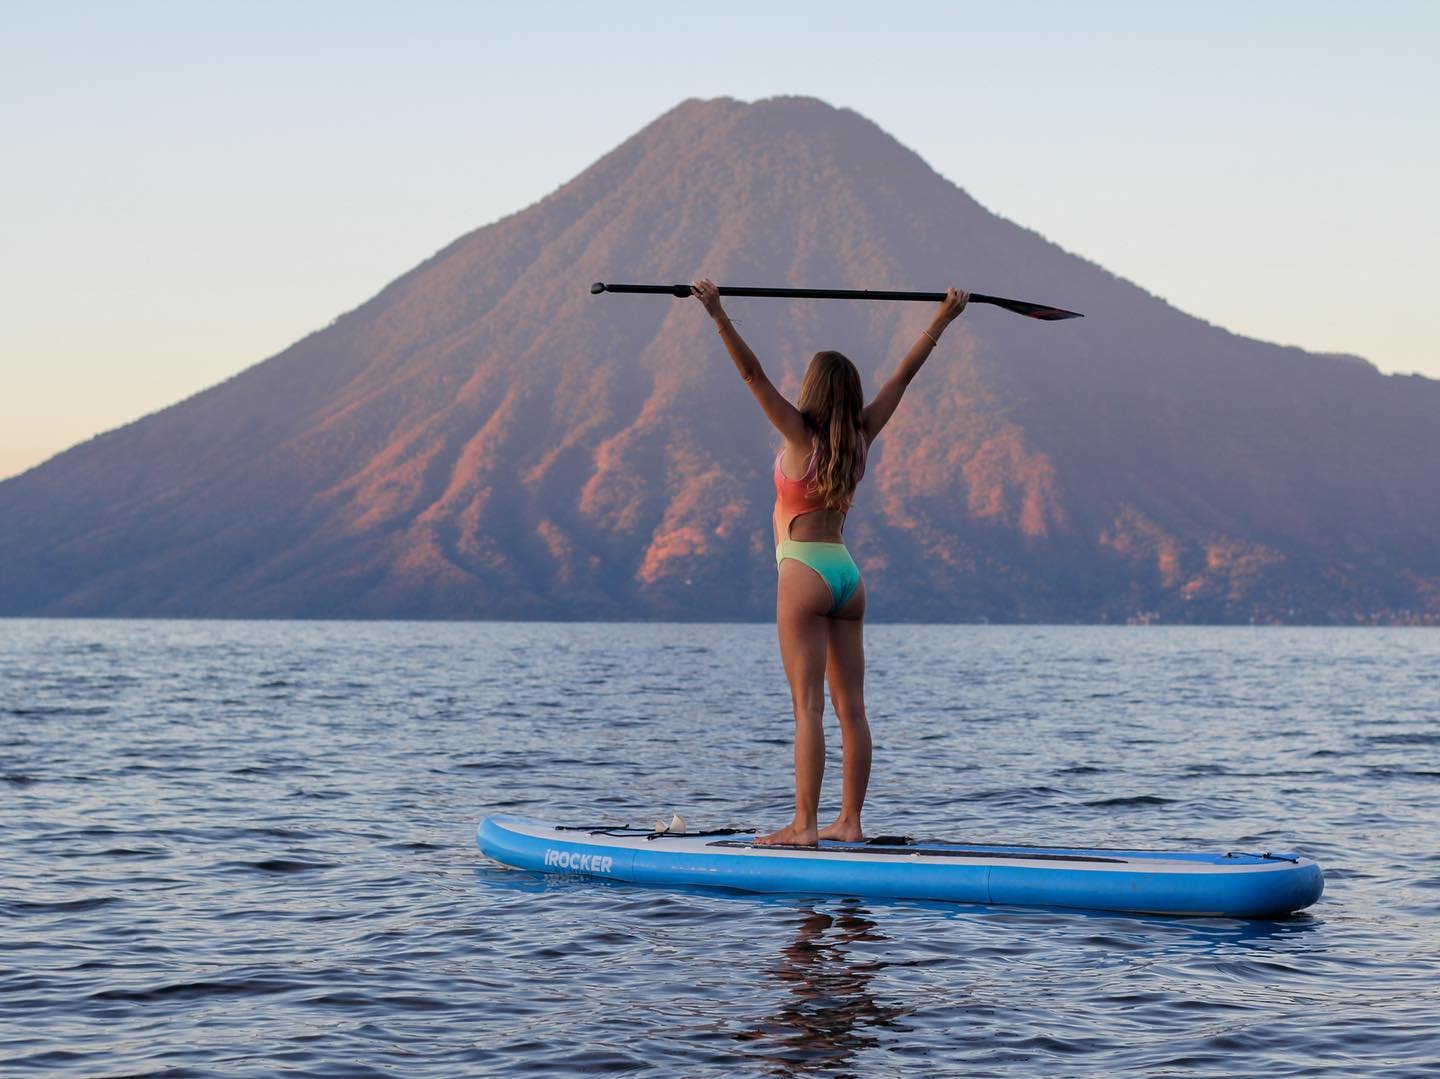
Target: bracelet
x,y
933,341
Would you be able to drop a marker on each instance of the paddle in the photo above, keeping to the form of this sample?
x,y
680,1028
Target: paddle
x,y
1020,307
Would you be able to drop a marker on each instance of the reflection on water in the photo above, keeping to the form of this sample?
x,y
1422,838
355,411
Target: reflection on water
x,y
830,1012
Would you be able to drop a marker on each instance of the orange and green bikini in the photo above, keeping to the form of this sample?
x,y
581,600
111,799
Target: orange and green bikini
x,y
831,561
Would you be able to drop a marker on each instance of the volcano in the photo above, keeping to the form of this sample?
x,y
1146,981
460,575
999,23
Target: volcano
x,y
486,439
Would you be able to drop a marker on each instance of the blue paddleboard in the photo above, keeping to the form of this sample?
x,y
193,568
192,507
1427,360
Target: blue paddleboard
x,y
1233,884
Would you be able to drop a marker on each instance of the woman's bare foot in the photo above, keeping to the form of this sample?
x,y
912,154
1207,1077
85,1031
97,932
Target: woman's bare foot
x,y
792,835
843,830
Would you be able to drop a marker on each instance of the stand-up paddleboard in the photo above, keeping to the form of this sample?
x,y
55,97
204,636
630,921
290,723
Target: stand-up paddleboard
x,y
1234,884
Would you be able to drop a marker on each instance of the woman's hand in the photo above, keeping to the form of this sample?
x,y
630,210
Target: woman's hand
x,y
950,307
708,294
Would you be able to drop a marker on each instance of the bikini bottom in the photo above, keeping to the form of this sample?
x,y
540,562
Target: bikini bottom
x,y
831,560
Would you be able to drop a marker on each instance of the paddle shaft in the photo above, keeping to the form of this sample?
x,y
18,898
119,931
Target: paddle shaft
x,y
1021,307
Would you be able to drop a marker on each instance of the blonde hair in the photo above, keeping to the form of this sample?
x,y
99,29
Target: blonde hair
x,y
831,400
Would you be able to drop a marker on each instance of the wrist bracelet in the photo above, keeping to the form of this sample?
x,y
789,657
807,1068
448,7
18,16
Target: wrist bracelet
x,y
933,341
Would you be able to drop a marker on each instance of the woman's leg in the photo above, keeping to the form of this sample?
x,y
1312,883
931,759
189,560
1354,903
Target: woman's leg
x,y
802,600
845,664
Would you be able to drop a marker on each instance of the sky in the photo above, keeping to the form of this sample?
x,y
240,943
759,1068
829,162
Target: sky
x,y
190,186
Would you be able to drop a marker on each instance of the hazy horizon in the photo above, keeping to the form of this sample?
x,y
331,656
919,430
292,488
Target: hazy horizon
x,y
193,189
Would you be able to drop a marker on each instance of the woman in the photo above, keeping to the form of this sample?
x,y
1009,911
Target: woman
x,y
820,599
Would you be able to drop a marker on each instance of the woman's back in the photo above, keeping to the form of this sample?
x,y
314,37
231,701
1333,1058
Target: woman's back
x,y
800,512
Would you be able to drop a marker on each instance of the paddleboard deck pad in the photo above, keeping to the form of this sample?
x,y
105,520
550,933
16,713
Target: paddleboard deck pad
x,y
1237,884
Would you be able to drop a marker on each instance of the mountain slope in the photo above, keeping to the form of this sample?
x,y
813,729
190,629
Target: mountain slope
x,y
485,439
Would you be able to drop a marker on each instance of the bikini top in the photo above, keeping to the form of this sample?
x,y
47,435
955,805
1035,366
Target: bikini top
x,y
793,498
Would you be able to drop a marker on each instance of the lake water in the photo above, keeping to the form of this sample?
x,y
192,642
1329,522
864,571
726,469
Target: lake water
x,y
248,849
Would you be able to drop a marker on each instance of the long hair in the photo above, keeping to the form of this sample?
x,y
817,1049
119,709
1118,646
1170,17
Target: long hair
x,y
831,400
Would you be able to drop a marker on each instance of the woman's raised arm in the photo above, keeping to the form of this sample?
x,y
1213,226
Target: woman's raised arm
x,y
785,417
878,412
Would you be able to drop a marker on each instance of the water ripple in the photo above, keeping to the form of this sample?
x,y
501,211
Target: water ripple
x,y
247,849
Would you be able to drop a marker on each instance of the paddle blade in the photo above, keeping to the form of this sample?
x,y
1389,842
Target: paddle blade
x,y
1041,311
